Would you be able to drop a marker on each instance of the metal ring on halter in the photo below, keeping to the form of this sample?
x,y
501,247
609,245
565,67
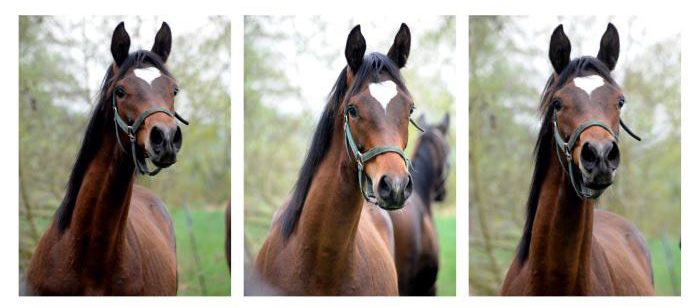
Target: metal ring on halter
x,y
362,158
131,130
568,146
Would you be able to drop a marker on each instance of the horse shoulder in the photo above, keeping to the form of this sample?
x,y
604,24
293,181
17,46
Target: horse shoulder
x,y
374,254
382,223
150,238
624,251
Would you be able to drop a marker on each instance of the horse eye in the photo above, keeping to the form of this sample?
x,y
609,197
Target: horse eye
x,y
410,111
352,111
175,91
557,104
120,92
621,102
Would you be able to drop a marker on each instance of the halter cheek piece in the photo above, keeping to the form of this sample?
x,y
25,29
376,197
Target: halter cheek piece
x,y
362,158
568,148
131,130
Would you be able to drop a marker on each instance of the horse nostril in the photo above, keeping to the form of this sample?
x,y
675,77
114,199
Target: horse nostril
x,y
408,189
177,139
385,187
157,139
589,156
613,156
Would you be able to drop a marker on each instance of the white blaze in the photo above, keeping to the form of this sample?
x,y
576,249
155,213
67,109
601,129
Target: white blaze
x,y
589,83
383,92
147,74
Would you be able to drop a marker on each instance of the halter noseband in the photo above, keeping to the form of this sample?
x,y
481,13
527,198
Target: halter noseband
x,y
362,158
130,130
568,148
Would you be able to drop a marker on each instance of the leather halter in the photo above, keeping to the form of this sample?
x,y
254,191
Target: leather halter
x,y
131,130
362,158
568,147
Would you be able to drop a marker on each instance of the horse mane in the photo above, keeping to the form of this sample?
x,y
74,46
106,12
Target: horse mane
x,y
582,66
373,67
101,122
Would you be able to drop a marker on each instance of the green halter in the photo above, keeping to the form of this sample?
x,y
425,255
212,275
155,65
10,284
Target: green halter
x,y
130,130
362,158
568,148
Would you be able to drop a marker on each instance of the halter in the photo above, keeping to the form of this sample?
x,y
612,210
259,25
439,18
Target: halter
x,y
568,148
130,130
362,158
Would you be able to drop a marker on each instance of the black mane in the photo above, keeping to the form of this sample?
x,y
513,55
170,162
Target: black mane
x,y
374,66
101,122
582,66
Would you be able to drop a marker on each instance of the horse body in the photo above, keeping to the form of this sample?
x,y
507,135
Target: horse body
x,y
579,250
332,237
110,236
341,246
121,241
417,251
568,247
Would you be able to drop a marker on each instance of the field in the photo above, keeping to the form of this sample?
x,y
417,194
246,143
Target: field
x,y
209,232
447,276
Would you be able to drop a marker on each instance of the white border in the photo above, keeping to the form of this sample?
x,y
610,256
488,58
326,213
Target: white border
x,y
235,10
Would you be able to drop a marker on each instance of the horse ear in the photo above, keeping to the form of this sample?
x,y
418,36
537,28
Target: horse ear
x,y
609,47
445,124
559,49
355,49
120,44
163,42
421,120
402,46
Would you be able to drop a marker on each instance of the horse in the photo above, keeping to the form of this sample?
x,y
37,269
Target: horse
x,y
416,242
110,236
568,247
334,236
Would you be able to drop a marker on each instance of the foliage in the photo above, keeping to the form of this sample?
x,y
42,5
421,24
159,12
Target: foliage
x,y
507,73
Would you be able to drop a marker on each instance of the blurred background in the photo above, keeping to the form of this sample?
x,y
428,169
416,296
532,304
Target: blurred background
x,y
291,64
509,66
62,63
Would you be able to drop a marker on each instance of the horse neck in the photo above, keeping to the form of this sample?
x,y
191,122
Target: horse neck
x,y
422,173
560,249
101,207
331,213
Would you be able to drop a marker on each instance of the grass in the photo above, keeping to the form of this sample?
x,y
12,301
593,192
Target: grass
x,y
447,276
209,232
667,269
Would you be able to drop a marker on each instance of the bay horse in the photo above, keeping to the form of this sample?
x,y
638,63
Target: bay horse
x,y
110,236
334,237
416,241
568,247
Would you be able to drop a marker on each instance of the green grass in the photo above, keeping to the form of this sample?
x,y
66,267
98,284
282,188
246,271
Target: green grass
x,y
209,233
664,265
447,276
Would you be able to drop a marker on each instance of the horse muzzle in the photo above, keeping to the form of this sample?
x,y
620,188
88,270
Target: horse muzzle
x,y
163,145
598,161
392,191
